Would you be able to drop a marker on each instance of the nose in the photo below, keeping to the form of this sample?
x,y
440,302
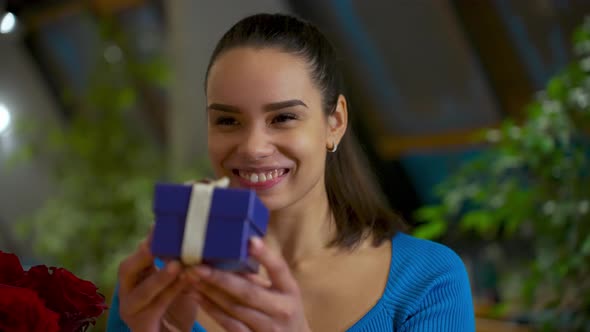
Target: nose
x,y
255,144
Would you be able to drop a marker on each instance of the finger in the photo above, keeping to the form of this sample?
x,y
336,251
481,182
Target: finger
x,y
276,267
238,289
169,295
252,317
145,274
221,317
194,275
235,285
257,279
150,236
132,268
153,286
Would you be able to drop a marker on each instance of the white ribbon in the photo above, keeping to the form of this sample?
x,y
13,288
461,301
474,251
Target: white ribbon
x,y
195,228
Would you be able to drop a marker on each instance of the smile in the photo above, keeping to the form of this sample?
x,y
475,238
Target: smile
x,y
260,179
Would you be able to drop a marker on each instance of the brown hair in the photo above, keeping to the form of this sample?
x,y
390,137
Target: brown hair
x,y
355,199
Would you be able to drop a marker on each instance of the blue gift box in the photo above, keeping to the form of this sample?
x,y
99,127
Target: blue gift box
x,y
235,215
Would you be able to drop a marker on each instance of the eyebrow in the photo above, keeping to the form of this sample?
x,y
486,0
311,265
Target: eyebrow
x,y
284,104
267,108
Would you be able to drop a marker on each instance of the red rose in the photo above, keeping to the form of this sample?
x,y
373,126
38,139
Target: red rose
x,y
21,310
77,300
55,293
10,269
38,279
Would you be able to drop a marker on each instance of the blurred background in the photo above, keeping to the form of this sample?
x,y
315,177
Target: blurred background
x,y
475,115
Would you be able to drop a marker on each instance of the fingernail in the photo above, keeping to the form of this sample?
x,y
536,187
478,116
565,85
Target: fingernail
x,y
203,271
173,267
256,242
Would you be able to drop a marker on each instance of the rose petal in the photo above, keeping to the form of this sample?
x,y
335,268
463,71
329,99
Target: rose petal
x,y
22,310
10,268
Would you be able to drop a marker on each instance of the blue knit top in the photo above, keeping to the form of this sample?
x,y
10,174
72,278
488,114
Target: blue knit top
x,y
427,290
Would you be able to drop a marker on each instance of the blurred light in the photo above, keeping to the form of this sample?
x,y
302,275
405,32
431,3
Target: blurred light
x,y
7,23
493,135
4,118
113,54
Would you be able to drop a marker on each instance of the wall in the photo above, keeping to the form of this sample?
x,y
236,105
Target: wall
x,y
194,27
24,92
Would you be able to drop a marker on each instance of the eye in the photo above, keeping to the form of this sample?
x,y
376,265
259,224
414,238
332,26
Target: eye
x,y
225,121
284,117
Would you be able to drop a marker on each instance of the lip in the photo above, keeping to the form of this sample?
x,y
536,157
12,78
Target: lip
x,y
259,186
258,169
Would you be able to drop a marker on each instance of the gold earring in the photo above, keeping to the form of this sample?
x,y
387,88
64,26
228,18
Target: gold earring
x,y
334,147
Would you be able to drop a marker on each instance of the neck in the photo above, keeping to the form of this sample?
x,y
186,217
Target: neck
x,y
303,230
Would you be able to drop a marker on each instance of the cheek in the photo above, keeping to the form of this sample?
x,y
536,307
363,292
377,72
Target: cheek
x,y
218,150
308,146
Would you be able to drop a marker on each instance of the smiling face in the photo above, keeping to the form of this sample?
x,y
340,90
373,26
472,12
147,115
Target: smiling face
x,y
266,126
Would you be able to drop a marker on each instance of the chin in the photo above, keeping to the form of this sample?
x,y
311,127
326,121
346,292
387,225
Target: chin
x,y
272,203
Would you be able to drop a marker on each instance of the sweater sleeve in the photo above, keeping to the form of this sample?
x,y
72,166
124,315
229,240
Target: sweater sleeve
x,y
445,302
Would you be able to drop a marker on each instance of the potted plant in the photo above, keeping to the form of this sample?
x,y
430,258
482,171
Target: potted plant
x,y
532,186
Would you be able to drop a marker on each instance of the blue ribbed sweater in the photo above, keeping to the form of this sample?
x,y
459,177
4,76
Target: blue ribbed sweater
x,y
427,290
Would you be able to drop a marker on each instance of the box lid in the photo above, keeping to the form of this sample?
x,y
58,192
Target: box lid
x,y
172,198
226,203
239,204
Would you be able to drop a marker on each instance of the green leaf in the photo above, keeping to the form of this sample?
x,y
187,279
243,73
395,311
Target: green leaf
x,y
430,213
580,36
126,98
556,89
546,144
585,250
499,310
431,230
481,221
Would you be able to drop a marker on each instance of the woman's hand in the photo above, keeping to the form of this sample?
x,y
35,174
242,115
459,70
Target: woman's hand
x,y
243,303
154,300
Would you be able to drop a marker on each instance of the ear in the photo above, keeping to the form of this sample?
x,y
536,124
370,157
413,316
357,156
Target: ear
x,y
337,122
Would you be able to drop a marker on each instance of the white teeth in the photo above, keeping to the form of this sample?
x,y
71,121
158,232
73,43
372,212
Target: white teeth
x,y
261,177
254,178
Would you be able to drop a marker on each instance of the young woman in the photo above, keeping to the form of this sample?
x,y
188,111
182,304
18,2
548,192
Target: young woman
x,y
334,258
